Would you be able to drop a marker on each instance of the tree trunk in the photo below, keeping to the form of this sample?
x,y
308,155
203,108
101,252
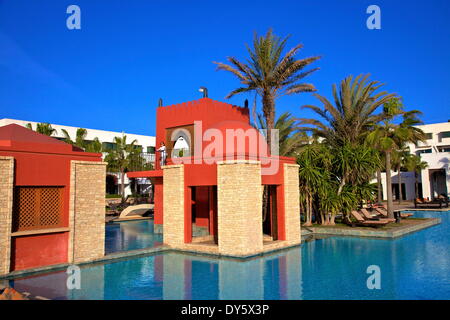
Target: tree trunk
x,y
269,115
380,188
308,211
333,216
400,185
390,204
122,185
341,185
416,184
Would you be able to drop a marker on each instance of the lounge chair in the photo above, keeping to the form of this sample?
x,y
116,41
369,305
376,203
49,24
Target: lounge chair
x,y
436,203
378,216
383,212
370,223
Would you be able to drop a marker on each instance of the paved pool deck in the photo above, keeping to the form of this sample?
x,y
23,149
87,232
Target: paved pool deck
x,y
391,231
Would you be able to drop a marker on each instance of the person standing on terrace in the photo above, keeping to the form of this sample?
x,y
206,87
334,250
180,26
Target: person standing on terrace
x,y
162,149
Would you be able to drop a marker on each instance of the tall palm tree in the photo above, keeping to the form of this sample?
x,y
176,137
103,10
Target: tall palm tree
x,y
269,73
415,164
290,138
389,137
118,159
353,112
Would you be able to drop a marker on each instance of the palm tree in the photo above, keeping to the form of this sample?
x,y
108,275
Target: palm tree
x,y
415,164
390,137
312,159
290,138
94,146
81,142
119,160
353,112
43,128
270,74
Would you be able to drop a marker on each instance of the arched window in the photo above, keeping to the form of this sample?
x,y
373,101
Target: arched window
x,y
181,147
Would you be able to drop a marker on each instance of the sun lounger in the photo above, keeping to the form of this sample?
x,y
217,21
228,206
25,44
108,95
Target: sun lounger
x,y
383,212
370,223
368,216
436,203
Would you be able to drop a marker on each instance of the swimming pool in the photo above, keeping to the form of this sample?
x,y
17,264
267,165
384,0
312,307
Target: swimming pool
x,y
130,235
416,266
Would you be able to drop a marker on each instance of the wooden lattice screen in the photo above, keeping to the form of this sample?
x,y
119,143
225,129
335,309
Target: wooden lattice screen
x,y
37,208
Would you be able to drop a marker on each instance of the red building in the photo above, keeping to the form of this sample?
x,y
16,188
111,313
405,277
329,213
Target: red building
x,y
203,138
38,197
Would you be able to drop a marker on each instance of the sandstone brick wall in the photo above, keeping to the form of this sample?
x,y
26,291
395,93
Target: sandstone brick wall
x,y
239,193
173,205
87,211
6,203
292,203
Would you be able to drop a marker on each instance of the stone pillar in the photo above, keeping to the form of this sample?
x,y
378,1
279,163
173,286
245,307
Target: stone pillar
x,y
292,203
87,211
6,204
239,199
173,205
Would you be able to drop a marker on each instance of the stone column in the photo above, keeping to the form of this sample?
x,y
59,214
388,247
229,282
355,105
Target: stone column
x,y
239,197
173,205
87,211
6,204
292,203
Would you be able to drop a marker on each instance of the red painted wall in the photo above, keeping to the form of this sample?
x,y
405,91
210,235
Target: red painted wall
x,y
207,110
158,200
40,250
202,206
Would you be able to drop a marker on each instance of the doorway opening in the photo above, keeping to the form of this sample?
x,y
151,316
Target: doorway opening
x,y
270,213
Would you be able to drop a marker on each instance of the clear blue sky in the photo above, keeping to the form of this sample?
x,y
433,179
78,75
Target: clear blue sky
x,y
110,74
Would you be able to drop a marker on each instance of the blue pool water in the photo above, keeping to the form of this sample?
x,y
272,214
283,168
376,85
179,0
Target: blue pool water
x,y
416,266
130,235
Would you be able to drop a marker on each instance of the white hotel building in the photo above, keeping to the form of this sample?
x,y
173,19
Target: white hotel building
x,y
107,139
435,151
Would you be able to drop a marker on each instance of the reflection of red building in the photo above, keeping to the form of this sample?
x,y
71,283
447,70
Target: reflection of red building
x,y
37,202
215,181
